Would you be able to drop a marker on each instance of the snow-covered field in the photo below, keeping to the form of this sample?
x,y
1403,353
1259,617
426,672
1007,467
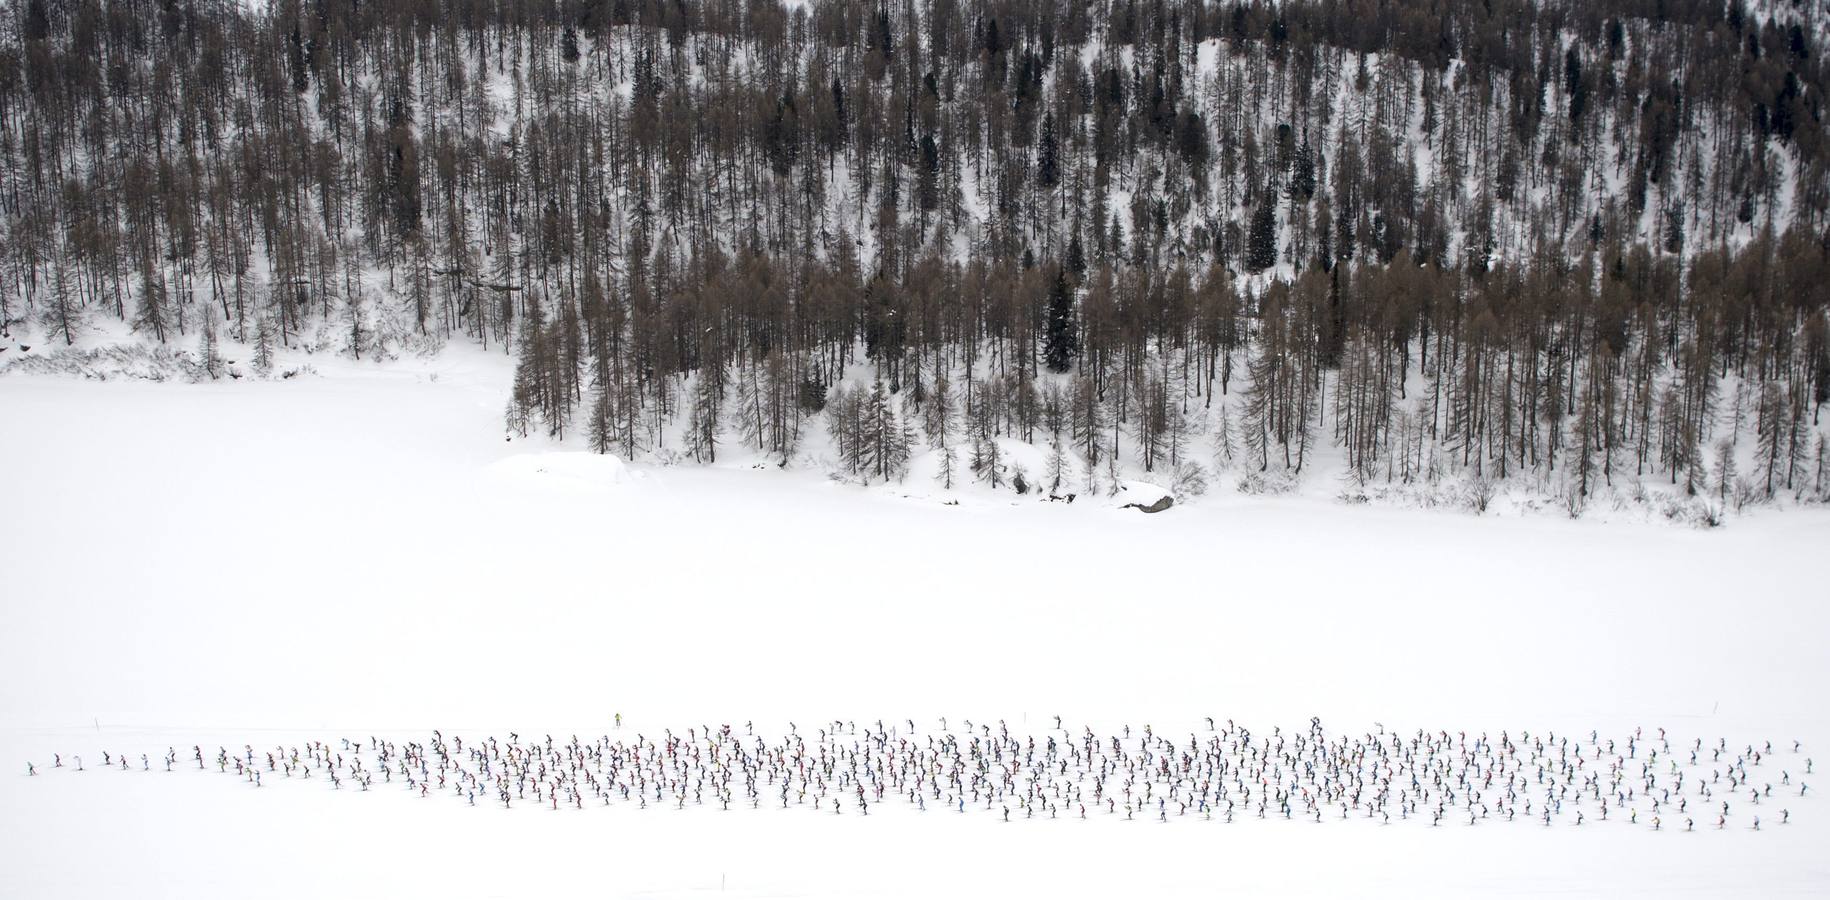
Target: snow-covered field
x,y
361,553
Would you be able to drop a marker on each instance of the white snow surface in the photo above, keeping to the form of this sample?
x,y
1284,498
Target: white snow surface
x,y
563,471
360,553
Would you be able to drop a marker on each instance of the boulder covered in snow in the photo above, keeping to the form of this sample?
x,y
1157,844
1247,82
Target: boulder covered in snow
x,y
1141,495
1162,503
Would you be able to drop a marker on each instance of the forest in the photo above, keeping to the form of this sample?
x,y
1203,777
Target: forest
x,y
1576,246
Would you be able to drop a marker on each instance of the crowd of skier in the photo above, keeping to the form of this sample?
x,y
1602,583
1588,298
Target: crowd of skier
x,y
1225,772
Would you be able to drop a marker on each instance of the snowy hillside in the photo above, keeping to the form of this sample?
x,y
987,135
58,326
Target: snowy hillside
x,y
1410,253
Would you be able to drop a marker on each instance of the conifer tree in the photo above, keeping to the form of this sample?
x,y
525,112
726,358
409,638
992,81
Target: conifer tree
x,y
1770,433
355,325
209,353
845,422
1089,420
947,467
602,425
1226,445
939,416
1261,247
886,437
526,394
1057,463
705,416
151,318
1061,337
1724,474
1048,154
987,456
263,343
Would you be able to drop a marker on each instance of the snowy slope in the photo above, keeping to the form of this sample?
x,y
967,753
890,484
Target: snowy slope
x,y
362,554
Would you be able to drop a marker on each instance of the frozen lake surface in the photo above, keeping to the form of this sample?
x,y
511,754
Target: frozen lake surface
x,y
363,555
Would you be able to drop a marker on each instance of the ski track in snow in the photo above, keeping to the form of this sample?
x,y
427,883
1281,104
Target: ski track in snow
x,y
362,554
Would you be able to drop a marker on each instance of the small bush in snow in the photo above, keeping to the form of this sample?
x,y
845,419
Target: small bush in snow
x,y
1703,514
1481,491
1744,493
1190,481
1573,502
1268,482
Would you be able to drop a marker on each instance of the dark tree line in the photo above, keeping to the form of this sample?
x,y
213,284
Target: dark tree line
x,y
1574,243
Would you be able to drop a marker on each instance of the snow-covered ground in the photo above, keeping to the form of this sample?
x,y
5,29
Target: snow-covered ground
x,y
361,553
